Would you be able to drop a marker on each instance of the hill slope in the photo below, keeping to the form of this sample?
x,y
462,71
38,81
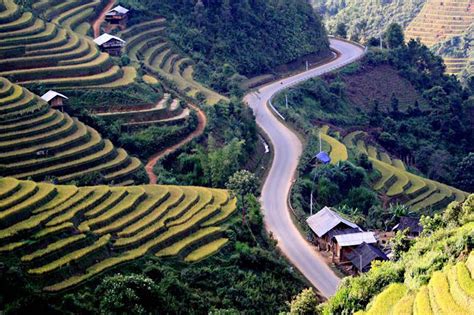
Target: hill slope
x,y
437,259
246,37
39,142
64,235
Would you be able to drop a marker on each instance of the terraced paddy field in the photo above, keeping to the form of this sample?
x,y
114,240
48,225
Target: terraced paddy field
x,y
396,182
147,43
52,53
438,21
65,235
166,112
450,291
39,142
73,14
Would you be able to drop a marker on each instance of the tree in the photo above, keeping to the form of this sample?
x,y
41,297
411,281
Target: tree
x,y
341,30
400,243
394,36
242,183
464,173
304,303
131,294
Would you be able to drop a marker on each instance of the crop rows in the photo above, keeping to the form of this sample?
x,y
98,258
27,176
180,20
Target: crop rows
x,y
450,291
67,235
52,53
166,111
146,42
38,142
395,181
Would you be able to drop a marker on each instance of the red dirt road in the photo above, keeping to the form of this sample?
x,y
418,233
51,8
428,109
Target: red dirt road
x,y
98,22
202,122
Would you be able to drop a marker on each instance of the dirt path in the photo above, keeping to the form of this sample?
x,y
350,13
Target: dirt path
x,y
98,22
202,122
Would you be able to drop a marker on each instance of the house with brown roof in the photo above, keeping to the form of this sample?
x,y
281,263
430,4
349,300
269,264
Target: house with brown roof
x,y
363,255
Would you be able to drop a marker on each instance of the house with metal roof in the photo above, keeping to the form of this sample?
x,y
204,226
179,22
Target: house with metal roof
x,y
110,44
327,223
411,224
117,15
345,244
323,158
55,99
363,255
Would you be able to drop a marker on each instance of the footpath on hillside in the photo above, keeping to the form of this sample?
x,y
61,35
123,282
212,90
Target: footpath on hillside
x,y
202,121
100,19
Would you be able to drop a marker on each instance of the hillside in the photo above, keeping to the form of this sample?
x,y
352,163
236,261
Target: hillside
x,y
41,143
365,19
225,39
441,25
435,276
65,235
34,51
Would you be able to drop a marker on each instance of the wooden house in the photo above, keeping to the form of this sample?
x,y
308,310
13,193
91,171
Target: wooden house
x,y
117,15
363,255
110,44
344,244
327,223
55,99
411,224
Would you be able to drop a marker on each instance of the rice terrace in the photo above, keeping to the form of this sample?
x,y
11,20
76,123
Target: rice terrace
x,y
236,157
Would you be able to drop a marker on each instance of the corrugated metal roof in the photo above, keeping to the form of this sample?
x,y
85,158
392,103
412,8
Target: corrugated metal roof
x,y
48,96
363,255
104,38
323,157
325,220
118,9
355,238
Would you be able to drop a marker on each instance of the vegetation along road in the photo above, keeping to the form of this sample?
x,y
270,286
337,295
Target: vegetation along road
x,y
288,149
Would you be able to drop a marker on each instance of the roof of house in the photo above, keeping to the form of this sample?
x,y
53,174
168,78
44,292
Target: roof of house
x,y
362,256
355,239
48,96
119,9
335,232
323,157
412,224
325,220
104,38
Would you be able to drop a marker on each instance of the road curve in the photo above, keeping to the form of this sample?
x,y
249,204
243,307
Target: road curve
x,y
287,151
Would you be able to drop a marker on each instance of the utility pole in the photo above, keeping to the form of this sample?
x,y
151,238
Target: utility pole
x,y
286,100
320,143
307,65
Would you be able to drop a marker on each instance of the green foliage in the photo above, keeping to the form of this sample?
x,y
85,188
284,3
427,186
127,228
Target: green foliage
x,y
394,37
400,243
128,294
242,183
341,30
305,303
226,38
464,173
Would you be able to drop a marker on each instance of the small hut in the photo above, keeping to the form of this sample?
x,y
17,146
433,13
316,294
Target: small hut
x,y
322,158
55,99
411,224
363,255
118,15
110,44
344,244
325,224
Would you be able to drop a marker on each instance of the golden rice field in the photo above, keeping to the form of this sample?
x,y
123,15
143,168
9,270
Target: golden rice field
x,y
38,142
53,51
146,42
65,235
395,181
450,291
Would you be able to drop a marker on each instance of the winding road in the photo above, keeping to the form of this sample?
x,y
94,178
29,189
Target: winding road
x,y
287,151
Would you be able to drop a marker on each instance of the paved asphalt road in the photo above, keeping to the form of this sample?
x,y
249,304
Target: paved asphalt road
x,y
287,151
